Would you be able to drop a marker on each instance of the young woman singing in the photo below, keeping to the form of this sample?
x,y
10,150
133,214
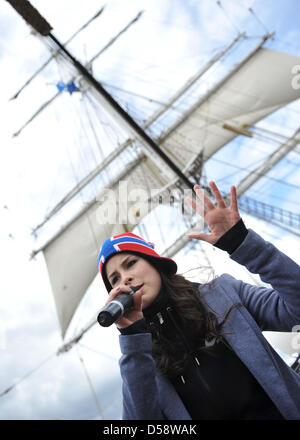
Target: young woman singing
x,y
195,351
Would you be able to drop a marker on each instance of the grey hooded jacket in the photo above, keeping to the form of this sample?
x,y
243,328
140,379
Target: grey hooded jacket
x,y
150,396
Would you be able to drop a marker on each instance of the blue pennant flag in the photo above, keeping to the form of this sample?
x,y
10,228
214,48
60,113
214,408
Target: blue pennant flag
x,y
72,87
61,86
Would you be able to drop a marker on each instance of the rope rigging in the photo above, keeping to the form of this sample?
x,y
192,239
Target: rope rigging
x,y
7,390
92,389
258,20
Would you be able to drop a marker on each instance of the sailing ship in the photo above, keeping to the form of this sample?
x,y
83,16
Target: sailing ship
x,y
155,156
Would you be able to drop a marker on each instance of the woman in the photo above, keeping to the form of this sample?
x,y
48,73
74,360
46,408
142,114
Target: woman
x,y
192,351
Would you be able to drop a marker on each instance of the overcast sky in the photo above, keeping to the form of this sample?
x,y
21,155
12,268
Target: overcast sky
x,y
159,53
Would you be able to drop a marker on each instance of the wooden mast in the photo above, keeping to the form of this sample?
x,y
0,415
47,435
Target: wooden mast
x,y
34,18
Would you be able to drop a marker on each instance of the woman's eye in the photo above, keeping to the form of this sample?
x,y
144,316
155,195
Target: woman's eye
x,y
114,280
132,261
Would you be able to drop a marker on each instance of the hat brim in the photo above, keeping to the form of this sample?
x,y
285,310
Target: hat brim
x,y
166,265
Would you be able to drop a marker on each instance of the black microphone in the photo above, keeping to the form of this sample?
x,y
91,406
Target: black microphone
x,y
116,308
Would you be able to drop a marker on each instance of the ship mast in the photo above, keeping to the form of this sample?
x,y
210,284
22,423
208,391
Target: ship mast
x,y
87,179
34,18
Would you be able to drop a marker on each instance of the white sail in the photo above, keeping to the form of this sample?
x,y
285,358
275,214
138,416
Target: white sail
x,y
71,256
260,87
243,99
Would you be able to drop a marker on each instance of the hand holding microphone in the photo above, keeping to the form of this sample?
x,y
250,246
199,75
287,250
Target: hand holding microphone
x,y
122,301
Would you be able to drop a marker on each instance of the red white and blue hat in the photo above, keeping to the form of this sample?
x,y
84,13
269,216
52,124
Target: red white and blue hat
x,y
131,243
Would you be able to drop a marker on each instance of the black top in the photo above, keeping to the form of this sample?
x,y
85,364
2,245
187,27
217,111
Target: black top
x,y
216,384
232,392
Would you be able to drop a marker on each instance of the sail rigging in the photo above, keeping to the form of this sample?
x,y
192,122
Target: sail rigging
x,y
45,64
237,101
128,143
75,76
241,101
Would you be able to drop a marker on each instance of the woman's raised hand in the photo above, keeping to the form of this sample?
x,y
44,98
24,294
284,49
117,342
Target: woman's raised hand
x,y
219,218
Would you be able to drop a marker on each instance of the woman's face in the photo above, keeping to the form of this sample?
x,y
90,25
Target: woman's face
x,y
132,270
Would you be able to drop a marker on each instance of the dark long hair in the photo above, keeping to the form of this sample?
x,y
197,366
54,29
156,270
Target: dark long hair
x,y
193,316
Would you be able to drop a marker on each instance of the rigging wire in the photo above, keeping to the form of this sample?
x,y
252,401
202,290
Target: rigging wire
x,y
55,180
98,352
262,176
292,185
252,164
112,131
259,21
7,390
104,175
107,407
90,384
113,134
88,146
139,112
129,92
228,17
143,231
82,200
198,250
274,196
155,210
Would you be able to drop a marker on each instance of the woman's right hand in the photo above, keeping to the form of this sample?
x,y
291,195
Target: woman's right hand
x,y
132,315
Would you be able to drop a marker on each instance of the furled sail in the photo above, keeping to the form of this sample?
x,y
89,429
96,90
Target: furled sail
x,y
260,86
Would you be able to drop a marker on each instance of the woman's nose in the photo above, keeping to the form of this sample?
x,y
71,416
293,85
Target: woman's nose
x,y
128,280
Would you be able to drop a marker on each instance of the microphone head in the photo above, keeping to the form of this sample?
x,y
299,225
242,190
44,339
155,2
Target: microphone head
x,y
112,311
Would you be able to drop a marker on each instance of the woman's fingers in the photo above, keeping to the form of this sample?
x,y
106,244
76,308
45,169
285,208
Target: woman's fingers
x,y
203,197
205,200
218,197
207,203
219,218
132,315
199,209
201,236
115,292
233,199
138,301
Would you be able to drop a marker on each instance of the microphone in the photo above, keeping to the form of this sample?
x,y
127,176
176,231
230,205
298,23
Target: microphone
x,y
116,308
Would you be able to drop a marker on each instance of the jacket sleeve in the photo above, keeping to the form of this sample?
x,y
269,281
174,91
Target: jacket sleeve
x,y
276,308
140,390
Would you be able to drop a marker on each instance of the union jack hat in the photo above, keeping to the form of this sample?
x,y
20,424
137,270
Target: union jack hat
x,y
131,243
